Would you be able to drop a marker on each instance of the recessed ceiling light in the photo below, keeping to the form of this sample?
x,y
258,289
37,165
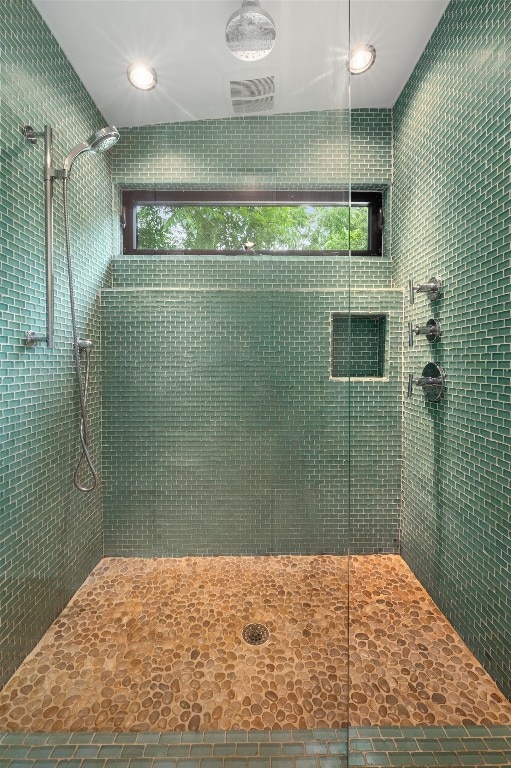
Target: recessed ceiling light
x,y
141,76
361,58
250,32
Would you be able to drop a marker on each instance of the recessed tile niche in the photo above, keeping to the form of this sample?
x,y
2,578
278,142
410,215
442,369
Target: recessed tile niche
x,y
358,345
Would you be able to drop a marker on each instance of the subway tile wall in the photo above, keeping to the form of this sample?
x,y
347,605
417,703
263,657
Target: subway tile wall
x,y
224,433
451,218
51,535
251,272
296,151
229,437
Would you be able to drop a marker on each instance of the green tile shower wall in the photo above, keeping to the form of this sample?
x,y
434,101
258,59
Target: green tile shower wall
x,y
451,217
228,436
51,536
251,272
304,150
223,433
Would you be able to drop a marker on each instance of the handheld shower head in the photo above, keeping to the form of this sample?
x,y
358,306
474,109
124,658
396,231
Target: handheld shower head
x,y
103,139
98,142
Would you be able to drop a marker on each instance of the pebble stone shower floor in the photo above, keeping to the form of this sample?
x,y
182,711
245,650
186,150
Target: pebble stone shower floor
x,y
156,645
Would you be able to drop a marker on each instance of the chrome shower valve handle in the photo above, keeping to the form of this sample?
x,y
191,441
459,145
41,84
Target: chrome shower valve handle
x,y
432,382
431,331
433,288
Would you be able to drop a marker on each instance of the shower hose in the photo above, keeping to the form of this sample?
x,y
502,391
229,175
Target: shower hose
x,y
83,387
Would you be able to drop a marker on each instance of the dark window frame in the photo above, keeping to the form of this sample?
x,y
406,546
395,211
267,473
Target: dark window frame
x,y
131,198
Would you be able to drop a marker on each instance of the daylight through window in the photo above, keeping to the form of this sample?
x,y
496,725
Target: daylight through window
x,y
304,223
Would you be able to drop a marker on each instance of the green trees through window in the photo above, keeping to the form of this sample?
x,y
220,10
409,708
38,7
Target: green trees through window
x,y
268,227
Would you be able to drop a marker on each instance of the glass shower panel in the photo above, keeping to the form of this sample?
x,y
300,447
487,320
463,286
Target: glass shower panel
x,y
429,624
308,440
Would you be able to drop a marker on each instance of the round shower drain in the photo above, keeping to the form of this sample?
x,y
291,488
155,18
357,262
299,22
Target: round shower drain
x,y
255,634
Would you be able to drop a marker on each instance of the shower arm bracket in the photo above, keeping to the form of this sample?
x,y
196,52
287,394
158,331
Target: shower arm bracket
x,y
32,338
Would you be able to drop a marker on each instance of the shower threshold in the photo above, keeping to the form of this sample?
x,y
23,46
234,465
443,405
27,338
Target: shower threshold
x,y
156,645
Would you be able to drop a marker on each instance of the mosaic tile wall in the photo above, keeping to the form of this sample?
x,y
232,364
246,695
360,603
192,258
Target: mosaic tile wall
x,y
51,535
451,218
223,433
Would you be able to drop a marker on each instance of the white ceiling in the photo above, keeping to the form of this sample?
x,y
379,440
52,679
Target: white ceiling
x,y
184,41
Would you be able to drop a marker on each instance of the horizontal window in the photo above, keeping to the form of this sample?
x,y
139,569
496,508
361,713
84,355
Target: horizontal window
x,y
222,222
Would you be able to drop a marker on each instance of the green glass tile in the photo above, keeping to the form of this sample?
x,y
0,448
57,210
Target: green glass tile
x,y
43,568
470,495
496,758
201,750
12,738
296,748
360,745
189,737
221,750
81,738
132,750
377,758
246,750
400,758
90,763
13,751
63,751
269,750
158,750
282,762
86,751
317,748
451,758
337,747
112,750
127,738
496,744
20,764
148,738
101,737
171,738
329,762
306,762
424,758
357,760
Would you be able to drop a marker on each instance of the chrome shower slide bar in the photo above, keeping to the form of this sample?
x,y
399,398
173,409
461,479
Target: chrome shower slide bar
x,y
31,136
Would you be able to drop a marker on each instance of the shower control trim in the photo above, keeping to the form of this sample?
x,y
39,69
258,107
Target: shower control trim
x,y
432,382
431,331
433,288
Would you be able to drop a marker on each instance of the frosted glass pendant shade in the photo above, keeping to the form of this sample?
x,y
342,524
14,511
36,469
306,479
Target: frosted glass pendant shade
x,y
250,32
